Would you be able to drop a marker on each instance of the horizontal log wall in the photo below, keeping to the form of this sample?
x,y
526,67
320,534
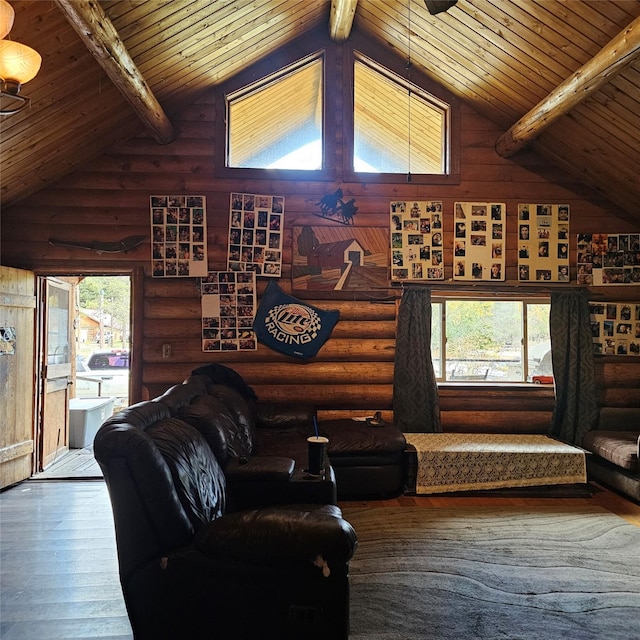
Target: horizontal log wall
x,y
353,373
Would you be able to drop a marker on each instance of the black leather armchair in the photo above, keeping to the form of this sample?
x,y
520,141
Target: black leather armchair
x,y
188,570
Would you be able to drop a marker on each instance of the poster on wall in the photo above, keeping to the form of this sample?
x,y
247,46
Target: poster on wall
x,y
615,327
416,240
228,308
478,243
605,258
256,225
543,242
179,236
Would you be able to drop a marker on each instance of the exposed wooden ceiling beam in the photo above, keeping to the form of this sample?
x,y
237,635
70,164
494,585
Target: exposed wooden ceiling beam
x,y
606,64
99,35
341,20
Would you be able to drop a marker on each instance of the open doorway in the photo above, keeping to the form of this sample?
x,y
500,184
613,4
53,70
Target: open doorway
x,y
102,337
98,383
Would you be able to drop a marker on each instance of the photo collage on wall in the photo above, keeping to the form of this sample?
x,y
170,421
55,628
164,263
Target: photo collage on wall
x,y
417,240
178,236
615,327
256,225
608,258
479,241
543,242
228,308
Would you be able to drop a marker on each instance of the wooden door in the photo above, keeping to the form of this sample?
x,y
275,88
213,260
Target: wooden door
x,y
56,359
17,374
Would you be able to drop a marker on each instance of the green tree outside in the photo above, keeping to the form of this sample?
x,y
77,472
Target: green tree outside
x,y
112,294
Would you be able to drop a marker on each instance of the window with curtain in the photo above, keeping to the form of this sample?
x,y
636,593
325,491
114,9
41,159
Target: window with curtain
x,y
489,340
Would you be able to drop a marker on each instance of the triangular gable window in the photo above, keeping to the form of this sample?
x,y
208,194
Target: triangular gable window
x,y
277,123
398,127
318,111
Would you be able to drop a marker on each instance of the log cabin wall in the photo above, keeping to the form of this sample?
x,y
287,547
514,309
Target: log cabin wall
x,y
353,372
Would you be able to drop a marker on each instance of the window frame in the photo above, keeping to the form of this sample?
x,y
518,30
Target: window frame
x,y
279,63
442,299
388,65
338,121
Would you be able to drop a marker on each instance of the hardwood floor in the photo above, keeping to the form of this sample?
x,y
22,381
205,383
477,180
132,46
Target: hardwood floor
x,y
59,574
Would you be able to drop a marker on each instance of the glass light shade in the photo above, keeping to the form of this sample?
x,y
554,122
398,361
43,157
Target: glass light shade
x,y
18,62
6,18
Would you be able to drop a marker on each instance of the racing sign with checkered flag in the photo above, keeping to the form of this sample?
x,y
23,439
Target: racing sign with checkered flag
x,y
291,326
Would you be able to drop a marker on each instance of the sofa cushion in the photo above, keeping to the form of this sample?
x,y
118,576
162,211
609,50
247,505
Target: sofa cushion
x,y
241,412
141,415
197,476
284,443
351,437
618,447
179,395
214,421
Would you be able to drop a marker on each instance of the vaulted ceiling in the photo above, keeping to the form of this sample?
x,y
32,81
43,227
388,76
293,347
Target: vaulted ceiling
x,y
560,75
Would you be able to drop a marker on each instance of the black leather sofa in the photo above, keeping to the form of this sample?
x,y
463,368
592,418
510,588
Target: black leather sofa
x,y
367,461
190,570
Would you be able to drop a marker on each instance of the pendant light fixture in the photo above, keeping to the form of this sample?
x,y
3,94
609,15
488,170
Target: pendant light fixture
x,y
18,64
7,15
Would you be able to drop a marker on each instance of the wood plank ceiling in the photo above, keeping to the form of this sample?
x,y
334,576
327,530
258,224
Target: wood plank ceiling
x,y
503,57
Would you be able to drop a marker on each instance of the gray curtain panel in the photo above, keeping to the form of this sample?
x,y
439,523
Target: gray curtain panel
x,y
416,406
576,409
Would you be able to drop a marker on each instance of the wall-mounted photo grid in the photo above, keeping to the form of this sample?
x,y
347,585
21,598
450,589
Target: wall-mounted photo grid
x,y
608,258
228,308
416,240
615,327
478,243
543,242
256,225
179,236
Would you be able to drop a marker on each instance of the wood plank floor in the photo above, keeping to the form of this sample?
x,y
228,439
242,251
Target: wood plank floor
x,y
59,574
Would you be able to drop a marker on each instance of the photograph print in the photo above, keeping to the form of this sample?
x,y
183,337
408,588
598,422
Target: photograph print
x,y
615,328
256,225
228,301
479,230
178,236
416,240
608,259
543,242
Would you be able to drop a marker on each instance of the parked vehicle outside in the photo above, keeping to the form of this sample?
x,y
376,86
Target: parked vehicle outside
x,y
104,374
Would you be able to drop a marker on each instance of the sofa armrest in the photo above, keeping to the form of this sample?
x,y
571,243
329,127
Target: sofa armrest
x,y
281,535
259,468
279,415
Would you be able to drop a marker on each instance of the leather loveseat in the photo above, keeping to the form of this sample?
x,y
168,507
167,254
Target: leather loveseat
x,y
190,570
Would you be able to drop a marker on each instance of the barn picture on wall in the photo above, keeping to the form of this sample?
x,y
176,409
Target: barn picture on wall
x,y
340,258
